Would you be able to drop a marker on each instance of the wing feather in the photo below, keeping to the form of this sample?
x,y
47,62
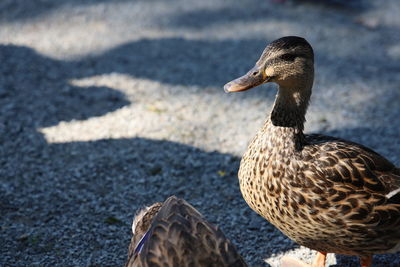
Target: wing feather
x,y
180,236
362,187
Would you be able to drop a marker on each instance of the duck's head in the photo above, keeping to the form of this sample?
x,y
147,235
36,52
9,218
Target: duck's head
x,y
288,61
142,222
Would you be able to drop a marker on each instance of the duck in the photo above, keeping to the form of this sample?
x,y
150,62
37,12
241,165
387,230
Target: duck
x,y
173,233
325,193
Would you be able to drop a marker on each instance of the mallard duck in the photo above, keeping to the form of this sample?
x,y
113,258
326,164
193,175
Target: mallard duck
x,y
325,193
173,233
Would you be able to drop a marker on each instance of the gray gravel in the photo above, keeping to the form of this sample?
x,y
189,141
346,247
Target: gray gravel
x,y
106,106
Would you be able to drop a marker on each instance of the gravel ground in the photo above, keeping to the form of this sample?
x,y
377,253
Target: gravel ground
x,y
106,106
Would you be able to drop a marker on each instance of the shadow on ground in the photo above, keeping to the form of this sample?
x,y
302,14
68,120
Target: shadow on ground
x,y
89,192
36,90
264,12
179,61
20,10
68,203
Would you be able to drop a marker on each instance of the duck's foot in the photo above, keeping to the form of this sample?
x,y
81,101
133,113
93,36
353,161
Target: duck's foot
x,y
292,262
319,261
366,261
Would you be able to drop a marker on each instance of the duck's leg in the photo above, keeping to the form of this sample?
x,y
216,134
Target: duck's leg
x,y
366,261
319,261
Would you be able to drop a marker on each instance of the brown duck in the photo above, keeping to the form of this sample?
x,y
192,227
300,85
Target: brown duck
x,y
325,193
174,234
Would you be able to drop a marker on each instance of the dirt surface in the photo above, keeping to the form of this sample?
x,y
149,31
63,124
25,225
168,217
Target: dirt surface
x,y
107,106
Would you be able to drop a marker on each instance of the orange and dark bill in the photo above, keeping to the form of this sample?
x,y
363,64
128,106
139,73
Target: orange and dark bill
x,y
251,79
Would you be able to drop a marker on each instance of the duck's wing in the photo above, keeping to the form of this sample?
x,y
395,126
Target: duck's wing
x,y
352,164
180,236
359,189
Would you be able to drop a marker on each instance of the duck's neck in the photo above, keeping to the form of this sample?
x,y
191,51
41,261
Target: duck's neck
x,y
286,121
290,108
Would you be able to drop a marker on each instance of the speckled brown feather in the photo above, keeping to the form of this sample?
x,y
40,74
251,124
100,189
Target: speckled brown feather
x,y
180,236
325,193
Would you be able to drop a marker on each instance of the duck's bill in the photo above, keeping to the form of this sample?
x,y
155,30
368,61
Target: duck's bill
x,y
251,79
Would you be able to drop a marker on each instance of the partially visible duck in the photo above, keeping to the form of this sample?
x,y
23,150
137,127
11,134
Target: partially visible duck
x,y
325,193
174,233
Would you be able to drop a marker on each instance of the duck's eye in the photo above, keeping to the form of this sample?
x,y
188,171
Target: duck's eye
x,y
288,57
255,73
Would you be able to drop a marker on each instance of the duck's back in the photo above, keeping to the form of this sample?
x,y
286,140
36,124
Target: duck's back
x,y
180,236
